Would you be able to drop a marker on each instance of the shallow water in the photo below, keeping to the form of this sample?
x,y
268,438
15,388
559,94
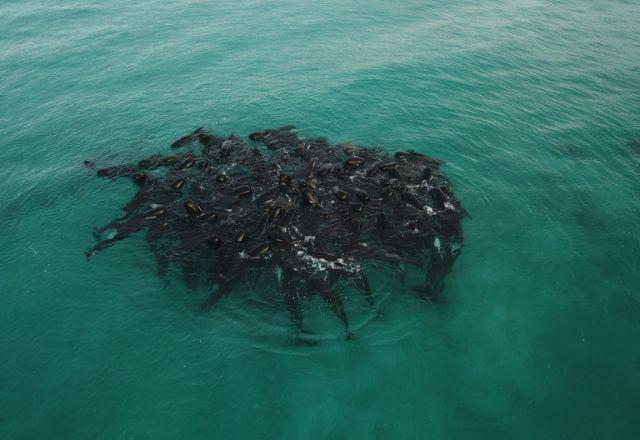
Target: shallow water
x,y
533,104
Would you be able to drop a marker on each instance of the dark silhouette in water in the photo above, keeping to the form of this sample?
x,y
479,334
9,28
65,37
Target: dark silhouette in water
x,y
310,211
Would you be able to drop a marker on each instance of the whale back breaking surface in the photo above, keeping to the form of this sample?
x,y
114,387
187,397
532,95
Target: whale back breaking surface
x,y
308,210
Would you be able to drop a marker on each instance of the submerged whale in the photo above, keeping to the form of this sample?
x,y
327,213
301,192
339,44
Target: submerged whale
x,y
310,211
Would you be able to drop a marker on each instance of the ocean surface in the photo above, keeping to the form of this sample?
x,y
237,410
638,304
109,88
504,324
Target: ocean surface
x,y
534,106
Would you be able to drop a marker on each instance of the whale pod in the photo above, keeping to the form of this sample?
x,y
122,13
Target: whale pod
x,y
311,213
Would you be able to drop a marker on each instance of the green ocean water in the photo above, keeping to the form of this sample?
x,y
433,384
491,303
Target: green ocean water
x,y
535,107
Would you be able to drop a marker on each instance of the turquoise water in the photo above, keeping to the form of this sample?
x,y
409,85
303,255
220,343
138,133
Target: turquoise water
x,y
535,106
